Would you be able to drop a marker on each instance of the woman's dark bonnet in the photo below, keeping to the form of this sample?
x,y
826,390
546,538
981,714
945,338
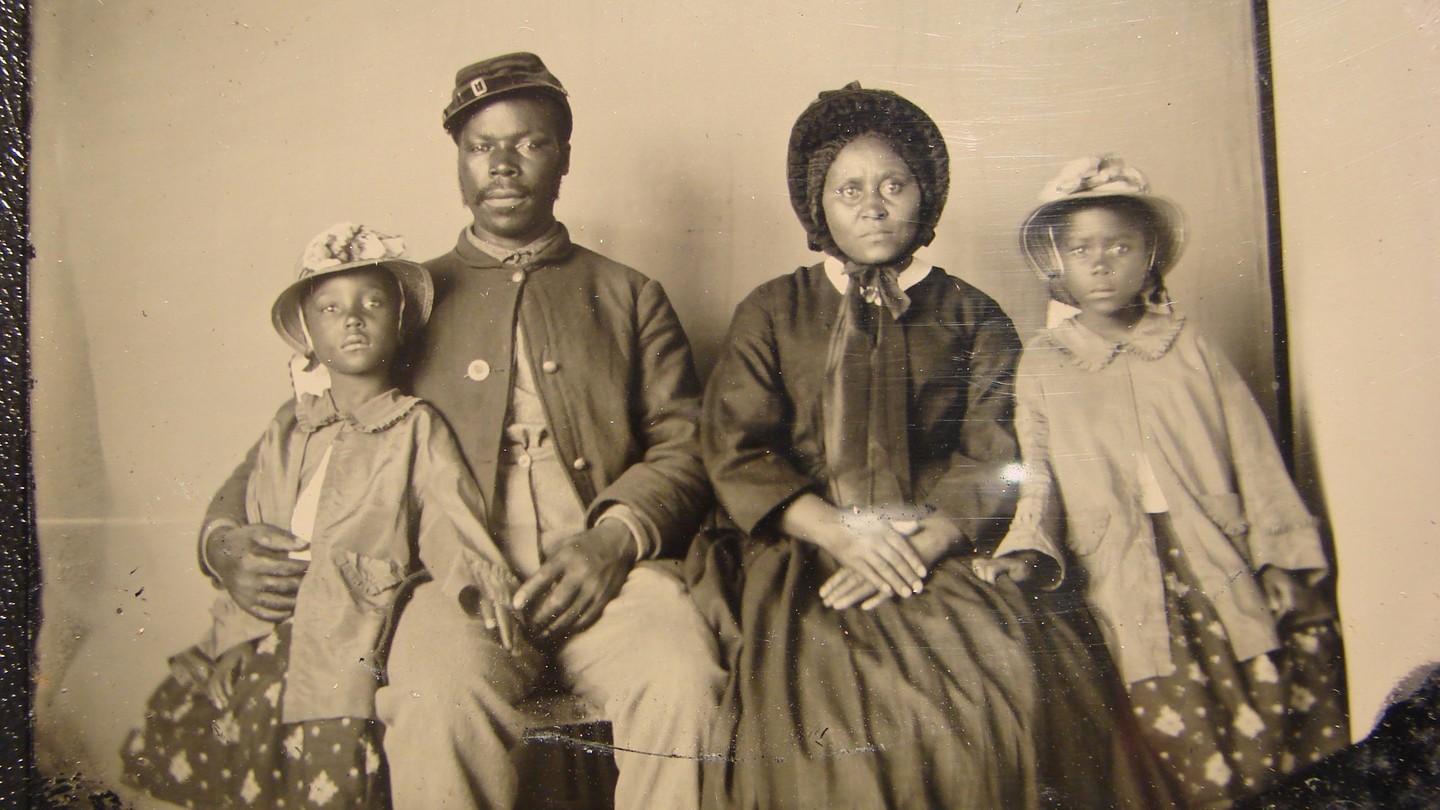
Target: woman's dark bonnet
x,y
839,117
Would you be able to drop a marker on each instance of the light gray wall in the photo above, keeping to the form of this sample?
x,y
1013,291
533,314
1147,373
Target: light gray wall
x,y
1357,88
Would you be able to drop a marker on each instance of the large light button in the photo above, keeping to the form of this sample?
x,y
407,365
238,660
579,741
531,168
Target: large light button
x,y
517,276
580,464
549,366
477,370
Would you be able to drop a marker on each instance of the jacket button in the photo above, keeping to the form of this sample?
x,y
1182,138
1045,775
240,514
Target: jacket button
x,y
517,276
477,370
549,366
580,464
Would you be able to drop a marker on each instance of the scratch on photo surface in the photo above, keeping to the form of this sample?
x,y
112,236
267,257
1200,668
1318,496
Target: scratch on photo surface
x,y
1408,369
550,736
897,29
111,521
553,737
1369,154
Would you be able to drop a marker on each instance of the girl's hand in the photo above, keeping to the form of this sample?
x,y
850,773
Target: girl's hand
x,y
491,604
1021,567
1282,590
500,617
861,541
221,684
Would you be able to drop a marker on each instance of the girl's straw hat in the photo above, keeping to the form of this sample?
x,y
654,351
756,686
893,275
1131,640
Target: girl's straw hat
x,y
349,246
1081,182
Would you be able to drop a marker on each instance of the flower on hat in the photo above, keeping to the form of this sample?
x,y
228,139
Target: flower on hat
x,y
347,243
1094,175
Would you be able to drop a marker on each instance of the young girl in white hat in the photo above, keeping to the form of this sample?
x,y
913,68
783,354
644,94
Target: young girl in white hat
x,y
372,485
1196,553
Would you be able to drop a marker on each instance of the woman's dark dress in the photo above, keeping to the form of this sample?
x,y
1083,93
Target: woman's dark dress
x,y
961,697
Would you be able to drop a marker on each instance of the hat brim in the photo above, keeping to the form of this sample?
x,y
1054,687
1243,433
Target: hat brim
x,y
415,285
1039,250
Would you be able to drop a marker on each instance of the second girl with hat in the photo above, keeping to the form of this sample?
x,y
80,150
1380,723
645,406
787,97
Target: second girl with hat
x,y
857,430
1197,554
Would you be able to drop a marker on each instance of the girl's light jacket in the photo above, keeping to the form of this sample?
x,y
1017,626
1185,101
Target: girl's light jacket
x,y
396,503
1087,411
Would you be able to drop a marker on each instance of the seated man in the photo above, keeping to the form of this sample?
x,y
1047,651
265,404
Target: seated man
x,y
569,383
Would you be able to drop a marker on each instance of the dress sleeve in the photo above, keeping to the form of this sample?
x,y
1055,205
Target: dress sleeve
x,y
1037,514
1282,531
977,491
745,424
666,487
455,547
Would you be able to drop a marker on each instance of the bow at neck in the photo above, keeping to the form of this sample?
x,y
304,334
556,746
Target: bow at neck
x,y
879,284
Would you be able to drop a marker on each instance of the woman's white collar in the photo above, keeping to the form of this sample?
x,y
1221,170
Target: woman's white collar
x,y
909,277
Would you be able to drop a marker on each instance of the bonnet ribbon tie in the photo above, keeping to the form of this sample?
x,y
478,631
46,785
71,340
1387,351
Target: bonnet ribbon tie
x,y
308,376
867,443
878,285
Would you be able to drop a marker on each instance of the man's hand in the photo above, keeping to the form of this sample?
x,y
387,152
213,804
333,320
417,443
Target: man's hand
x,y
575,584
254,565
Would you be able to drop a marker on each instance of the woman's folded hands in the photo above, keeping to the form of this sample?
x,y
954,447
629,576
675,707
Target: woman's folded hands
x,y
883,553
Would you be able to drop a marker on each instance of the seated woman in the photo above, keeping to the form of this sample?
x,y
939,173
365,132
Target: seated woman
x,y
857,430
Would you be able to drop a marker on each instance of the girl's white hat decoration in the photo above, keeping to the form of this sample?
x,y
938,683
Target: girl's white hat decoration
x,y
350,246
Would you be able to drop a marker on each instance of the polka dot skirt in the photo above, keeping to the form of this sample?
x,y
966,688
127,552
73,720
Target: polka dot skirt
x,y
1229,728
238,755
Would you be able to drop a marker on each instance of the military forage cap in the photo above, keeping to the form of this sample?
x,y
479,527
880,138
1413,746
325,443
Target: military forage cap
x,y
484,80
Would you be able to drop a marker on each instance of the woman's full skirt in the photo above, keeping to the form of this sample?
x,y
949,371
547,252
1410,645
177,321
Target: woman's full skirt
x,y
962,696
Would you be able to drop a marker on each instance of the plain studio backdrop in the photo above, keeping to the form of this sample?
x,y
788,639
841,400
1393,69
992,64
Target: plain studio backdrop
x,y
186,152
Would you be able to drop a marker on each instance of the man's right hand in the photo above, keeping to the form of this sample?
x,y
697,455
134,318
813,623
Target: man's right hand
x,y
253,564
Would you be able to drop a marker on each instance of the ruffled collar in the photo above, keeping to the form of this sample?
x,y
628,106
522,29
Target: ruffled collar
x,y
1149,340
376,414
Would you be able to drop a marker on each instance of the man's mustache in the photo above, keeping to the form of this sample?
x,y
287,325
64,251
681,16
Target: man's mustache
x,y
514,188
500,190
